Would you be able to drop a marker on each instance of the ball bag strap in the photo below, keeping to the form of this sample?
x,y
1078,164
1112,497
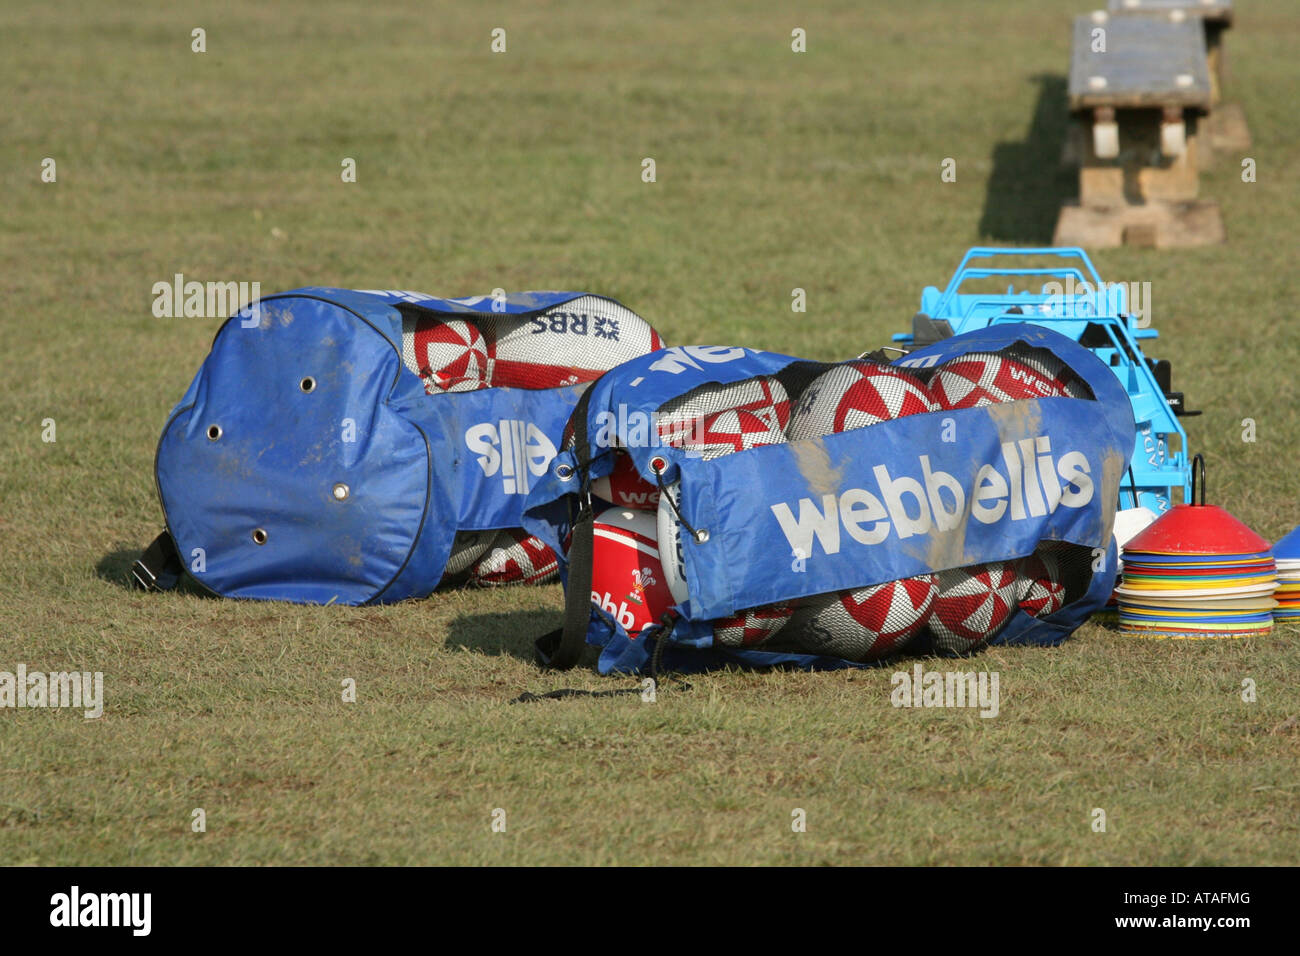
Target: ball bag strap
x,y
562,648
159,568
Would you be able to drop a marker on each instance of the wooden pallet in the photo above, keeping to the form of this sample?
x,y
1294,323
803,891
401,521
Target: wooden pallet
x,y
1138,89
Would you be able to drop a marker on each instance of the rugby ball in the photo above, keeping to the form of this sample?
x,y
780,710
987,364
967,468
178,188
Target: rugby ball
x,y
864,624
854,395
571,343
681,419
466,548
986,378
753,626
515,557
1052,368
731,431
720,434
973,604
1042,588
625,487
449,355
627,579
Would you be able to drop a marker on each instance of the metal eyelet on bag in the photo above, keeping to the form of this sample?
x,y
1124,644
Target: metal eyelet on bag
x,y
564,472
259,536
341,492
657,465
308,384
702,535
214,432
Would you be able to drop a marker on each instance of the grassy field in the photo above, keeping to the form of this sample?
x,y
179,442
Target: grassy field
x,y
522,170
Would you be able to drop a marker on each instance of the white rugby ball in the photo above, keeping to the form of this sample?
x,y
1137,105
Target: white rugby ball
x,y
570,343
854,395
864,624
449,355
627,579
515,557
681,419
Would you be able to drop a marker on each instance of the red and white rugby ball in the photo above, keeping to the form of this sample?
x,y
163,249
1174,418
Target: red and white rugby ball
x,y
515,557
1042,588
731,431
854,395
681,419
752,627
571,343
625,487
865,624
973,605
986,378
627,580
449,355
1052,368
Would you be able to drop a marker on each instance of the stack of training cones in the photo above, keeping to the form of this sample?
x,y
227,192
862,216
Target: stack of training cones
x,y
1287,552
1197,572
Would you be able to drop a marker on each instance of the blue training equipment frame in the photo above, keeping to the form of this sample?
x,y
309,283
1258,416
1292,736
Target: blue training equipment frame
x,y
1096,315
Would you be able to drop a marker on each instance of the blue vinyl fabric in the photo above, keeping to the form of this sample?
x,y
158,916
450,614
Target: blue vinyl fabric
x,y
760,505
417,468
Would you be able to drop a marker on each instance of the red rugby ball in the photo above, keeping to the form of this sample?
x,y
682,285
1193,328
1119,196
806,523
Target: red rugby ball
x,y
627,580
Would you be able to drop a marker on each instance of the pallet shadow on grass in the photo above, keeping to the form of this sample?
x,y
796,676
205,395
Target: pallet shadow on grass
x,y
1028,183
502,633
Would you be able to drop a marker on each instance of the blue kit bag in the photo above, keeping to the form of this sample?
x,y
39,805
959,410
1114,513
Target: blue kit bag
x,y
342,446
784,524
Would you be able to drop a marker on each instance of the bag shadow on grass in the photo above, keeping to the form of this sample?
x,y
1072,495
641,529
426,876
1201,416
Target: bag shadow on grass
x,y
505,633
1029,183
115,568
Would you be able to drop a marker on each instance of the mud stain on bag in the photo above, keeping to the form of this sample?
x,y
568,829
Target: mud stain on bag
x,y
814,463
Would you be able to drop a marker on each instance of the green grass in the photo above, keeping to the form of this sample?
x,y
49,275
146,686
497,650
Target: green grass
x,y
775,171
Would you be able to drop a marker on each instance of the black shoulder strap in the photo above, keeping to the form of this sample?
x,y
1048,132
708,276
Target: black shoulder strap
x,y
562,648
159,568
